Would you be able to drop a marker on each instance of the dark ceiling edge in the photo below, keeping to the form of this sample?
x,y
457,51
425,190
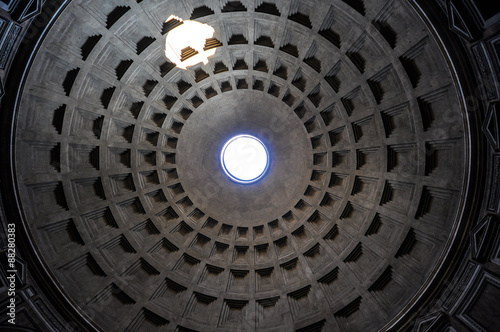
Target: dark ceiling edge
x,y
456,250
22,61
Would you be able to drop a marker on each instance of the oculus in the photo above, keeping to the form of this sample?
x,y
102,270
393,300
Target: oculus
x,y
244,159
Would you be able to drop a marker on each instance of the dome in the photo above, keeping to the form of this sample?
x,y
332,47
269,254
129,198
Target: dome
x,y
352,219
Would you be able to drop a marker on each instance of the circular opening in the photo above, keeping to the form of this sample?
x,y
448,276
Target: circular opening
x,y
244,159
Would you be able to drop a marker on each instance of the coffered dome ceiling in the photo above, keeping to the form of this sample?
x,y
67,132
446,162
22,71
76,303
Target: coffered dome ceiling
x,y
118,171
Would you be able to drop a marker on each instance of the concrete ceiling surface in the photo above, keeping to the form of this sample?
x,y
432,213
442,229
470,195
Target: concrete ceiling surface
x,y
117,152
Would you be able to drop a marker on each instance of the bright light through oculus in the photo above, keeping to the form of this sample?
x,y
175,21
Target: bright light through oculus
x,y
186,39
244,159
